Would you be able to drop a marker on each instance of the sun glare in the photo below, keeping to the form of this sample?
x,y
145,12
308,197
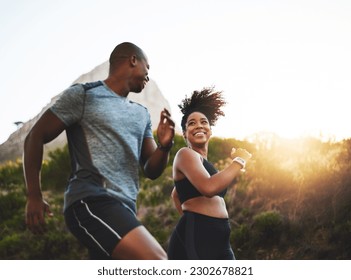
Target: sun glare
x,y
301,117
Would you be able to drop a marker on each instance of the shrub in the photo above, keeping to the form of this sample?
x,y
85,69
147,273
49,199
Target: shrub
x,y
267,228
56,171
11,175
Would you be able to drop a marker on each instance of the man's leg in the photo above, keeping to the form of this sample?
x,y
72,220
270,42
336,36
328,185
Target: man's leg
x,y
109,230
139,244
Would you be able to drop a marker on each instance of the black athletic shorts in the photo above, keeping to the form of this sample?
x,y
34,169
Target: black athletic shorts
x,y
100,223
200,237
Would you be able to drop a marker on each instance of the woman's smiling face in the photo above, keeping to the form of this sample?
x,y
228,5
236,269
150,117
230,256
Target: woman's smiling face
x,y
197,129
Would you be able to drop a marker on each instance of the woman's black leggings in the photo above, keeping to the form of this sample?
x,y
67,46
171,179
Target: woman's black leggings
x,y
200,237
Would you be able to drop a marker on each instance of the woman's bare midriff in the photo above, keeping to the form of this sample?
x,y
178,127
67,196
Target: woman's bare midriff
x,y
209,206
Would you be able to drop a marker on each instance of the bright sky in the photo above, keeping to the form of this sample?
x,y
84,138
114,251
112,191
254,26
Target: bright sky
x,y
283,65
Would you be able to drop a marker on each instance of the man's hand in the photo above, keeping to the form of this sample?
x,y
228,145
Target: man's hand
x,y
36,209
165,129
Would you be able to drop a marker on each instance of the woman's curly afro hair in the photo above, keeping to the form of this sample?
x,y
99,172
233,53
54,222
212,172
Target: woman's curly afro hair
x,y
207,101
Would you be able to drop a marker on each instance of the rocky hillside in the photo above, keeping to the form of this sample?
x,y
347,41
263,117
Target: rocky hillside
x,y
151,97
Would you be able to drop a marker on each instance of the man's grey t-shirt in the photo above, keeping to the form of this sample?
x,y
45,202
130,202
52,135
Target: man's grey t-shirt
x,y
105,133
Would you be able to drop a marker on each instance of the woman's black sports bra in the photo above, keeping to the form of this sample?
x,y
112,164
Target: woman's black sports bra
x,y
186,190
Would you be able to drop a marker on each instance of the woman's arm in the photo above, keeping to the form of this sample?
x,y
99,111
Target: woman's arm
x,y
189,164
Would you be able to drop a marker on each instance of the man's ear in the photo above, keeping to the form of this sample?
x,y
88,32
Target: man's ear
x,y
133,60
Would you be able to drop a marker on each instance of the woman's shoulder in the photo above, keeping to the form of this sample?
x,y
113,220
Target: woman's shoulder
x,y
185,151
187,154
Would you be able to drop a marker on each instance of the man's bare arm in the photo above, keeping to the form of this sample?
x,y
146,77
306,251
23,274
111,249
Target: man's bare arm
x,y
47,128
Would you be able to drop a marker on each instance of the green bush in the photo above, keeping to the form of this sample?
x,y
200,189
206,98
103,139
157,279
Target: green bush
x,y
56,171
156,192
54,244
160,221
16,242
240,236
11,175
10,203
267,228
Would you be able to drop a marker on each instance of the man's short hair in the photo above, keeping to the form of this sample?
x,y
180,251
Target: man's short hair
x,y
125,50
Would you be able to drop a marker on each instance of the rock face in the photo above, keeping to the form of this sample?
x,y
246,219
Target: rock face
x,y
151,97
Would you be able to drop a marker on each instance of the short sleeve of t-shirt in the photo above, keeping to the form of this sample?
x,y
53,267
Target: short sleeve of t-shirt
x,y
148,128
69,107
